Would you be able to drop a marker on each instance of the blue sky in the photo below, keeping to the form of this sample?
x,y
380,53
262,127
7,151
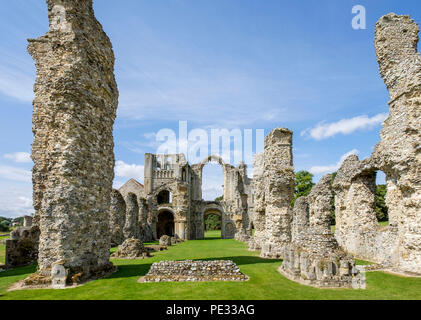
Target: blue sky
x,y
245,64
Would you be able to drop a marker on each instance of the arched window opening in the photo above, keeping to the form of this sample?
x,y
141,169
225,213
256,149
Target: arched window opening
x,y
164,197
212,181
382,211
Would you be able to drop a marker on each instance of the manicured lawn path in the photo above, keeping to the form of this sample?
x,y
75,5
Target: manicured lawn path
x,y
265,282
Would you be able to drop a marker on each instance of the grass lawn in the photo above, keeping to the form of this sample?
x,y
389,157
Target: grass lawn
x,y
2,250
265,281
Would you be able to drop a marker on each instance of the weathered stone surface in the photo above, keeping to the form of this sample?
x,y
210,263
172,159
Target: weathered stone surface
x,y
258,217
397,155
314,257
165,241
180,271
131,249
117,218
22,247
75,106
279,191
132,225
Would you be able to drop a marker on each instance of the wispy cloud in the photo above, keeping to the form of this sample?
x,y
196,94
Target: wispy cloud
x,y
332,167
124,170
19,157
17,77
15,174
344,126
15,199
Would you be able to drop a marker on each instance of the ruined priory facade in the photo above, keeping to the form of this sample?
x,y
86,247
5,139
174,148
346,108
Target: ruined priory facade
x,y
170,202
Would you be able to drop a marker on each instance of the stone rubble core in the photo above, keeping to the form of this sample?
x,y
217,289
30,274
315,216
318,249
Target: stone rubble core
x,y
278,177
397,247
22,247
75,105
131,249
194,271
314,257
117,218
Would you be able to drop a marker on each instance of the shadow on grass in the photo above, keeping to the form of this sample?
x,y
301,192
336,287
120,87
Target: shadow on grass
x,y
19,271
131,270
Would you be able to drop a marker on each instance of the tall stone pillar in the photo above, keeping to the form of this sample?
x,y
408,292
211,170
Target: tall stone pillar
x,y
398,153
149,168
75,105
279,191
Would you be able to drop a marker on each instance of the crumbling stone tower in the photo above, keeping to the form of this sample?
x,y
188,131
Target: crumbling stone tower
x,y
279,191
75,105
397,154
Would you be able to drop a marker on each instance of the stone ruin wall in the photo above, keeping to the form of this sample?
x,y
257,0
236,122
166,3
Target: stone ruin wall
x,y
75,105
397,155
117,218
259,222
314,257
279,191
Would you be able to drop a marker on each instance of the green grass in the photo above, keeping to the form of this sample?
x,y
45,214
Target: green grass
x,y
213,234
2,250
265,281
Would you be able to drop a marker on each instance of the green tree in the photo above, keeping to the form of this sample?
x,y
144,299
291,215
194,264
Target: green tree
x,y
381,208
303,184
221,198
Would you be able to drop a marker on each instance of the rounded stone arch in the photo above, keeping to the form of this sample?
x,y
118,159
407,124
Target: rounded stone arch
x,y
167,187
225,171
212,158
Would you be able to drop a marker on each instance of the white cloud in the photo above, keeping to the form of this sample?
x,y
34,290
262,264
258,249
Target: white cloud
x,y
17,76
15,200
125,170
344,126
15,174
19,157
333,167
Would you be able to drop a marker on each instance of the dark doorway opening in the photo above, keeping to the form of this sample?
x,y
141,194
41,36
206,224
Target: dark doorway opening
x,y
165,225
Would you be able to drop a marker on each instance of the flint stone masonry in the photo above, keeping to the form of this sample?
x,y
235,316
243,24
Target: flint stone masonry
x,y
259,218
314,257
22,247
75,105
132,225
397,155
131,249
195,271
165,241
279,190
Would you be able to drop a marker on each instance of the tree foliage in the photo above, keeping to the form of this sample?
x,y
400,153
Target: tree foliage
x,y
303,184
381,208
213,222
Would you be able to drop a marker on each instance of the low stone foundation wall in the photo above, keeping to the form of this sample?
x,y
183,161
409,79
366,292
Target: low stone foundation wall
x,y
195,271
337,270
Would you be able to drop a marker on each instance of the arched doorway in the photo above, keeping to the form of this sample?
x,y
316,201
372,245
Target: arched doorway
x,y
212,223
165,224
